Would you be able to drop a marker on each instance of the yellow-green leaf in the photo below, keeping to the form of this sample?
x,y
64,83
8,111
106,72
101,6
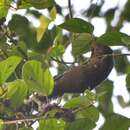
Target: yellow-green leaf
x,y
38,79
81,43
44,22
53,13
16,92
4,6
7,67
51,124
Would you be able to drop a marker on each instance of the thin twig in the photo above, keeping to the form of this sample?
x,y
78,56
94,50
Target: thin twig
x,y
114,55
62,62
20,120
106,55
70,9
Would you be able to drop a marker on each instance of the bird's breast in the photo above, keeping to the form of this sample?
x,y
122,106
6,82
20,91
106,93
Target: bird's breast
x,y
100,70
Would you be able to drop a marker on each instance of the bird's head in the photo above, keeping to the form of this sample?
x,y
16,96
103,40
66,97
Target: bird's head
x,y
99,49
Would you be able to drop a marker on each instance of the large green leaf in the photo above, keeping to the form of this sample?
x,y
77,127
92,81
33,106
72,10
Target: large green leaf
x,y
37,78
116,122
81,43
16,92
105,103
57,51
114,38
21,26
4,6
51,124
7,67
80,124
91,113
121,63
81,101
77,25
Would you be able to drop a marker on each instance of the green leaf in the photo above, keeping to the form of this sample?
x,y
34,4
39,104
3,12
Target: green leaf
x,y
53,13
3,37
90,95
44,43
4,6
126,40
51,124
20,49
7,67
21,26
80,124
115,122
105,103
44,22
77,25
81,43
2,91
91,113
39,4
16,92
35,55
37,78
126,11
121,63
57,51
121,101
58,35
114,38
81,101
48,81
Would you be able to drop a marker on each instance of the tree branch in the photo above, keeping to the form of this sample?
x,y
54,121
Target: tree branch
x,y
114,55
21,120
70,9
61,61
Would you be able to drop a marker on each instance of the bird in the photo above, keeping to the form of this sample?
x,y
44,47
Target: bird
x,y
88,75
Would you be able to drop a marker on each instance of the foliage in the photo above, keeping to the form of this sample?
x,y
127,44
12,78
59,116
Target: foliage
x,y
26,55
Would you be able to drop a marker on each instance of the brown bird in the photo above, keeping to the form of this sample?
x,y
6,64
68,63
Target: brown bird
x,y
88,75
